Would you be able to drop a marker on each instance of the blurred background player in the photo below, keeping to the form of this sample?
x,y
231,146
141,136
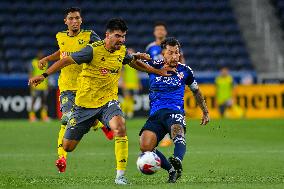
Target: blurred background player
x,y
70,41
224,83
155,51
40,91
130,86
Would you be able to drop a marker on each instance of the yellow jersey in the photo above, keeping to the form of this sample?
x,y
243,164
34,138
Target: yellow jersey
x,y
36,71
130,78
98,81
68,45
224,88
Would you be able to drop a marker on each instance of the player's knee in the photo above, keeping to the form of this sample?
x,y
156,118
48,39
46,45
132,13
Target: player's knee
x,y
69,146
177,129
144,147
119,128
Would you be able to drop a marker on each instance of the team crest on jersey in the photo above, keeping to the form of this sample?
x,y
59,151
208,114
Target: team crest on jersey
x,y
81,41
119,58
72,121
64,100
180,75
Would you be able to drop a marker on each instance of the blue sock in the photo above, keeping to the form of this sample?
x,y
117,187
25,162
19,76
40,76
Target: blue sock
x,y
180,147
165,164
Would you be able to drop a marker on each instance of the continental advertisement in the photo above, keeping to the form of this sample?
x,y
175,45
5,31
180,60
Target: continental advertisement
x,y
249,101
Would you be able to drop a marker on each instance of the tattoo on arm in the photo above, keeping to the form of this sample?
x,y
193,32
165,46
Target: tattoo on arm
x,y
200,100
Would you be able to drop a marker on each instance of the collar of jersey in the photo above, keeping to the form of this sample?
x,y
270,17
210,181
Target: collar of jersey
x,y
74,35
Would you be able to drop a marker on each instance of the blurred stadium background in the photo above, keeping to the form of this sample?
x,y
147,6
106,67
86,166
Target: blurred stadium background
x,y
247,36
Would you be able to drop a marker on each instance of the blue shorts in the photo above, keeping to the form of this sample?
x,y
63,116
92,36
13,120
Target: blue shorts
x,y
162,120
82,119
67,101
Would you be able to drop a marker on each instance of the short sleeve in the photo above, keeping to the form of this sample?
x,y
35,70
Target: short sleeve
x,y
83,56
94,37
127,59
190,80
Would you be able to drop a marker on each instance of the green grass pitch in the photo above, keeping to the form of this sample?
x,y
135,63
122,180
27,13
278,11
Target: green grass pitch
x,y
224,154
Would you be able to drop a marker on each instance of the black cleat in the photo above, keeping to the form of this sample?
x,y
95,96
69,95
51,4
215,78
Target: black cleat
x,y
176,163
172,177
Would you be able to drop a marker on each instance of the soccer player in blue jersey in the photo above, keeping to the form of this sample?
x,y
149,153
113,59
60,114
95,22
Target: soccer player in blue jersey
x,y
155,51
154,48
167,108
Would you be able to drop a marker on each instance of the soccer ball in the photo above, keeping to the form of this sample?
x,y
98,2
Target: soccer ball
x,y
148,163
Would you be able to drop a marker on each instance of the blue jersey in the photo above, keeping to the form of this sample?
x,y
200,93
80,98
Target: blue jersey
x,y
168,92
155,51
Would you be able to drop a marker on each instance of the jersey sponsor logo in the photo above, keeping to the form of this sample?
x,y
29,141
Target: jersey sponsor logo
x,y
169,80
105,71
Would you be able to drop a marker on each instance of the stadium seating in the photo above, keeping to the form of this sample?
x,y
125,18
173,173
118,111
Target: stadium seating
x,y
207,29
279,6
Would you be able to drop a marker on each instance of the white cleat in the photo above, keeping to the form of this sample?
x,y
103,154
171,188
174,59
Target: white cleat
x,y
121,180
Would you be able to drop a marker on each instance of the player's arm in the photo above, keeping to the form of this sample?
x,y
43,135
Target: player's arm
x,y
50,58
202,104
135,62
51,70
83,56
192,84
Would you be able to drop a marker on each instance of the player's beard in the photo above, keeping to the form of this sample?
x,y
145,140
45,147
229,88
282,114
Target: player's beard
x,y
75,30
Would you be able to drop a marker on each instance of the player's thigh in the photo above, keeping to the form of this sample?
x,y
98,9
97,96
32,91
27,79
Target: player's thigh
x,y
153,127
67,99
175,123
80,122
112,116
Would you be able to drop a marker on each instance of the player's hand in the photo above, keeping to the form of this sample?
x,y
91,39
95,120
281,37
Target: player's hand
x,y
165,69
42,63
142,56
34,81
205,118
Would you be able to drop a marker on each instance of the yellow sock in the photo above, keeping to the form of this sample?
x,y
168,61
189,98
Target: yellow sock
x,y
43,113
121,152
61,152
97,125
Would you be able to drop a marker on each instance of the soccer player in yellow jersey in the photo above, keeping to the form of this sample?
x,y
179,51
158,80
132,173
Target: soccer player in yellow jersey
x,y
130,87
70,41
38,91
96,97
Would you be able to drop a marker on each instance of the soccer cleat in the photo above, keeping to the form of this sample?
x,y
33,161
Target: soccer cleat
x,y
172,177
32,117
121,180
176,163
166,142
108,133
61,164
